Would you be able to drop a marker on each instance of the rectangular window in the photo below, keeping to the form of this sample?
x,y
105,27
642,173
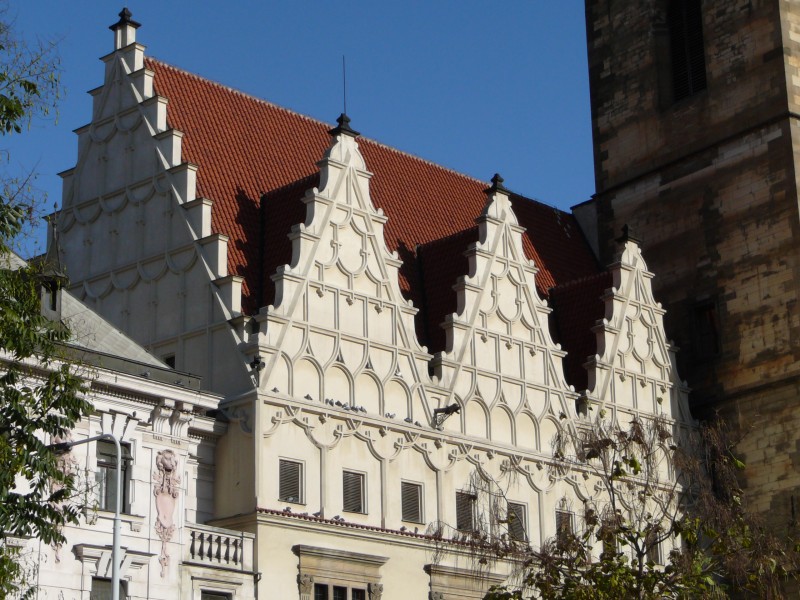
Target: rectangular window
x,y
101,589
517,523
106,475
607,534
411,496
214,596
653,549
290,484
564,526
465,511
687,49
353,499
326,591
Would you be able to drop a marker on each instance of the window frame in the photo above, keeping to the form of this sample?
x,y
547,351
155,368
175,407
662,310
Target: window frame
x,y
521,516
330,589
301,488
205,594
105,475
687,48
472,500
419,490
362,477
564,516
94,593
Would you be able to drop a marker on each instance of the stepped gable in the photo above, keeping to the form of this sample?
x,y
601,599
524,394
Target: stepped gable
x,y
577,306
246,147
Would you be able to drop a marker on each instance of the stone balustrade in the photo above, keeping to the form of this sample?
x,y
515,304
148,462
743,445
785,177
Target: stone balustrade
x,y
217,547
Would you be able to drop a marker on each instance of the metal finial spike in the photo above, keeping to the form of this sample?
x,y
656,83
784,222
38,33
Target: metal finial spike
x,y
497,184
125,19
344,127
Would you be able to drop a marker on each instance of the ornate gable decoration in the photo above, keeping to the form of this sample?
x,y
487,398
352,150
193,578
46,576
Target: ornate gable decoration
x,y
131,219
501,363
340,332
633,370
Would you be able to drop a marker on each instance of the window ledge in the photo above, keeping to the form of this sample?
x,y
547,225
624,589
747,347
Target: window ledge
x,y
136,522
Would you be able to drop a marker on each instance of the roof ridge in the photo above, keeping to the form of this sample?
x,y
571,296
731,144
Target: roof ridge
x,y
539,202
323,123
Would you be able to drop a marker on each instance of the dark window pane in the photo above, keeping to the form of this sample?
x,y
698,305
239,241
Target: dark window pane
x,y
653,549
687,49
353,492
106,474
411,494
291,481
339,593
101,589
465,511
517,527
320,591
563,526
358,595
214,596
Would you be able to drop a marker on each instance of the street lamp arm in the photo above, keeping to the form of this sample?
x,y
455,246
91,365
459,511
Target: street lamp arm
x,y
115,548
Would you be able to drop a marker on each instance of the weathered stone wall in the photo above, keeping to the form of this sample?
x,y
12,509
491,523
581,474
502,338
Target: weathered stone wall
x,y
710,184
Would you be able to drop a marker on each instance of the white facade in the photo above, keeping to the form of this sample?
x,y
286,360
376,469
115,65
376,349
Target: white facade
x,y
337,457
168,441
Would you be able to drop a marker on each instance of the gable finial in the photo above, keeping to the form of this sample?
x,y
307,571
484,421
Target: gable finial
x,y
497,185
628,235
344,127
124,19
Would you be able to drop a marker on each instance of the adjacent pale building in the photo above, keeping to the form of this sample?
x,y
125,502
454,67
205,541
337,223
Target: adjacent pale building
x,y
393,348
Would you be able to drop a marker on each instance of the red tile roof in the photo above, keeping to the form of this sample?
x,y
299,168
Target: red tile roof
x,y
247,148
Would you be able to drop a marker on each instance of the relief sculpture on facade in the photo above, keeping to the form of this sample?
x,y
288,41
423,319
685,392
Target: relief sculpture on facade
x,y
166,482
306,584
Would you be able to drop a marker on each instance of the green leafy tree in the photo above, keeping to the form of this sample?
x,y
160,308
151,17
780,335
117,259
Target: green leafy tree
x,y
40,394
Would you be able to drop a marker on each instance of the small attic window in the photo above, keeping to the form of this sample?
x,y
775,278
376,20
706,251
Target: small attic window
x,y
687,48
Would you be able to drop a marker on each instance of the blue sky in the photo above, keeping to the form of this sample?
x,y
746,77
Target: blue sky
x,y
480,87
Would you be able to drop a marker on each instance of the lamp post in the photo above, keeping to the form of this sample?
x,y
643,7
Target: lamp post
x,y
115,547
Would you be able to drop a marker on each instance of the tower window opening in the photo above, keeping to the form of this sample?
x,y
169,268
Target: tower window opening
x,y
687,49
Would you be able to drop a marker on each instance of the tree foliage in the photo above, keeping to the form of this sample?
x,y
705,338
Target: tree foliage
x,y
40,394
650,492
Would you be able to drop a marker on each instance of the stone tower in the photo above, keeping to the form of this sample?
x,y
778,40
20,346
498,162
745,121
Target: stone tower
x,y
695,118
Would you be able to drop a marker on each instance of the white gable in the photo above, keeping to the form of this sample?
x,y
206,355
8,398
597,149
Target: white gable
x,y
340,331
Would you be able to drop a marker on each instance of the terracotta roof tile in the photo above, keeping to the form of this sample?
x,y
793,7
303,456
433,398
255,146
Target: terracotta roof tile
x,y
247,148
